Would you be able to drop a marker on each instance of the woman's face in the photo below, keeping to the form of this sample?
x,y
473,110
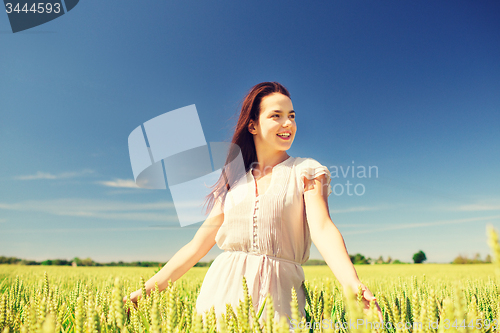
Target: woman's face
x,y
276,128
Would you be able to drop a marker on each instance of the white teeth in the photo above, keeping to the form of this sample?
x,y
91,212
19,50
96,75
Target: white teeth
x,y
285,134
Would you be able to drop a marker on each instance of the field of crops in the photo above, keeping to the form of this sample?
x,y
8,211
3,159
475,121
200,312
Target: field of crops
x,y
413,298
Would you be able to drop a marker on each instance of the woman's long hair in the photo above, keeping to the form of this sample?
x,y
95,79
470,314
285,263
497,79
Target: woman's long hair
x,y
243,140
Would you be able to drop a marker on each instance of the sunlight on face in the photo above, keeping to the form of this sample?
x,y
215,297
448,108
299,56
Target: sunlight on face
x,y
276,120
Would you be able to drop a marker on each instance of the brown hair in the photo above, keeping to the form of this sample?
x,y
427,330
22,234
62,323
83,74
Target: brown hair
x,y
243,140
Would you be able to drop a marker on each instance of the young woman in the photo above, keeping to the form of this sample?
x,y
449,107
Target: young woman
x,y
265,219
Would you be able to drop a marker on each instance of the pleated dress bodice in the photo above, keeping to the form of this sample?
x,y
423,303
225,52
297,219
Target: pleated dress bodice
x,y
265,238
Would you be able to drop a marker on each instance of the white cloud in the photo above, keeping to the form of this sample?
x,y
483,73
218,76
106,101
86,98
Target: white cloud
x,y
353,225
114,210
488,204
121,183
46,175
358,209
478,207
423,224
93,230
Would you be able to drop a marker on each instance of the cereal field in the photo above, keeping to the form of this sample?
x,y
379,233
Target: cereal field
x,y
413,298
89,299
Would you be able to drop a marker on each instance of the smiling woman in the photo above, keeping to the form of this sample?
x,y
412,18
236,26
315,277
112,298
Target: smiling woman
x,y
265,220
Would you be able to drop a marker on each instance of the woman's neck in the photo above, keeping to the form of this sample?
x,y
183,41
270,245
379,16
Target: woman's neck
x,y
265,162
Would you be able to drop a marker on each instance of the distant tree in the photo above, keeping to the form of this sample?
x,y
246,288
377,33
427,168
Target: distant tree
x,y
9,260
359,259
380,260
419,257
477,259
389,260
29,262
87,262
460,260
314,262
204,263
397,261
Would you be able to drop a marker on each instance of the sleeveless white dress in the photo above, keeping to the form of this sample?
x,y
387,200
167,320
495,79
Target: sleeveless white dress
x,y
265,238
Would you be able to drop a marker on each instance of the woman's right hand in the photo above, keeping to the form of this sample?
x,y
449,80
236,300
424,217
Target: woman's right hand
x,y
133,298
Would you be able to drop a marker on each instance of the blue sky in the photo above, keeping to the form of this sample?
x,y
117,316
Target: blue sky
x,y
410,87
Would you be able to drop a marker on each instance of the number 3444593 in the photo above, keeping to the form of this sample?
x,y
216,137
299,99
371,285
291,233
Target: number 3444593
x,y
36,8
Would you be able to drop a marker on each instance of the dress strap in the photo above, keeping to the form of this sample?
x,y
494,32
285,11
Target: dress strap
x,y
266,256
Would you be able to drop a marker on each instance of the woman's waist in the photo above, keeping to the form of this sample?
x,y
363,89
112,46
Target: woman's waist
x,y
264,255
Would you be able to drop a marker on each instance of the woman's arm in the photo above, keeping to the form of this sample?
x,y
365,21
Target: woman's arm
x,y
188,255
325,234
328,239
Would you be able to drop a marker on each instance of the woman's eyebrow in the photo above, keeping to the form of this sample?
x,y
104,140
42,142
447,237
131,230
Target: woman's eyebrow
x,y
279,111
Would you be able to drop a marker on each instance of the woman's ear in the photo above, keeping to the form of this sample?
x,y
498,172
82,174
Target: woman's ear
x,y
251,127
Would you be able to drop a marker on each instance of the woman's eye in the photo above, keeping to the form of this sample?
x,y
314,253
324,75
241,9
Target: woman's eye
x,y
277,115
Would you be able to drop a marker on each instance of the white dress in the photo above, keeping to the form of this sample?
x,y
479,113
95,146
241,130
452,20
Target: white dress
x,y
265,239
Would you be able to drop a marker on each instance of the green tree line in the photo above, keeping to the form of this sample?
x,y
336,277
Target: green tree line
x,y
357,259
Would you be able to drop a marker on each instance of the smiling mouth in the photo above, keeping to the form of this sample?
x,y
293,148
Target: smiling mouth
x,y
285,136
